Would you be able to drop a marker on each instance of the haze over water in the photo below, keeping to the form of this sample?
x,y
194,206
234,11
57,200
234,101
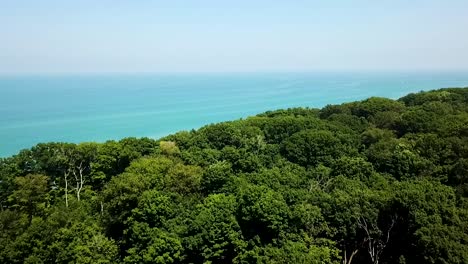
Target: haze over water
x,y
81,108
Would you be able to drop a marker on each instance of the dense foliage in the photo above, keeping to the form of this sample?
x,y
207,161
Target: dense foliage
x,y
375,181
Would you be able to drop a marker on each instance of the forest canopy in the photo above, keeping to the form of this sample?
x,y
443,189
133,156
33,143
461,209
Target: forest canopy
x,y
374,181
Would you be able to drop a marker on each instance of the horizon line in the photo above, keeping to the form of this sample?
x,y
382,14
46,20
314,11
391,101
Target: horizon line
x,y
103,73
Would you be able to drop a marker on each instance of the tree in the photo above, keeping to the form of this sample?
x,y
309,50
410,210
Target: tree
x,y
436,223
147,237
359,217
214,236
154,208
153,245
168,148
63,164
374,105
8,170
263,212
30,194
354,168
75,161
83,243
184,179
215,177
121,194
311,147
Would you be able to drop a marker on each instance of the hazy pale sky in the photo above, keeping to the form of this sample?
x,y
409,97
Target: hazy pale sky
x,y
132,36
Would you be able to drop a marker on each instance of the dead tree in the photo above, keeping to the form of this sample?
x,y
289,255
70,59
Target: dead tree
x,y
66,173
353,253
78,172
375,246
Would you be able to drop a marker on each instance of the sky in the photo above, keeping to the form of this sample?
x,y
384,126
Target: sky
x,y
133,36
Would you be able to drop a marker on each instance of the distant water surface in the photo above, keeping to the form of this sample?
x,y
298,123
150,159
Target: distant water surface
x,y
81,108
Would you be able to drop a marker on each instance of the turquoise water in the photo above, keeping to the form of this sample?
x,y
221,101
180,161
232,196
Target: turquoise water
x,y
96,108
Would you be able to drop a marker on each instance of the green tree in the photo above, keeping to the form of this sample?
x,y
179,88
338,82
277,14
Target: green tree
x,y
215,177
83,243
214,235
263,212
184,179
30,194
311,147
153,245
121,194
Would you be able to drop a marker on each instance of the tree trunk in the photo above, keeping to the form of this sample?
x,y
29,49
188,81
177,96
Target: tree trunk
x,y
348,261
77,190
66,187
352,256
79,179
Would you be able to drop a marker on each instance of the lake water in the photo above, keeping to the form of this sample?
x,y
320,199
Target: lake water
x,y
100,107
